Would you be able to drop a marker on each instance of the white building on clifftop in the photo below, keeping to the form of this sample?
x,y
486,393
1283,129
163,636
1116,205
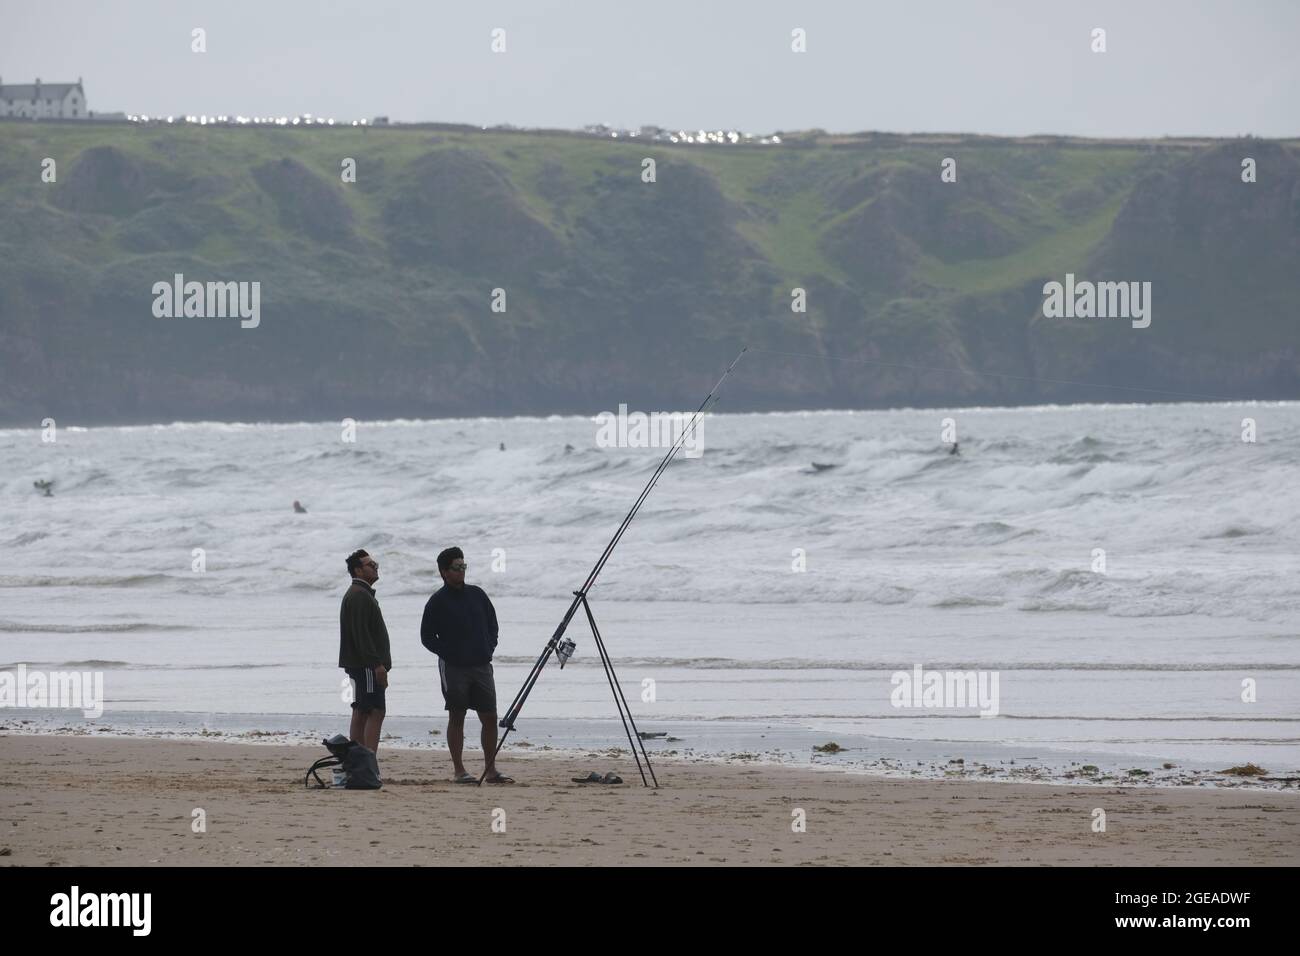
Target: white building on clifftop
x,y
53,100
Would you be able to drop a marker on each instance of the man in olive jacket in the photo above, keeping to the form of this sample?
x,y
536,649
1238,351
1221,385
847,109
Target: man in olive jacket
x,y
363,650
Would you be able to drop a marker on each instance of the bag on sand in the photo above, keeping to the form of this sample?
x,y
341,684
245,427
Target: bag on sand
x,y
358,762
362,767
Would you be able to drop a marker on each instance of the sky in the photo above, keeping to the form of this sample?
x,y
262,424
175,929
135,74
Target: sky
x,y
1018,67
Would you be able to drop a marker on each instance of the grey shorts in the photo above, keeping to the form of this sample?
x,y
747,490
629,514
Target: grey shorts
x,y
468,688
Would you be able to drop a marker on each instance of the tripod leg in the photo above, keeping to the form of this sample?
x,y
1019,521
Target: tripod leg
x,y
620,701
517,704
633,735
508,721
500,743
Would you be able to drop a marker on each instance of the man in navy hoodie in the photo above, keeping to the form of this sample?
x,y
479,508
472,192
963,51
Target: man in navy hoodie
x,y
460,626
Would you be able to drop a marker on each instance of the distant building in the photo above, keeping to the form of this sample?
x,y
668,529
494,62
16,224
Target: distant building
x,y
39,100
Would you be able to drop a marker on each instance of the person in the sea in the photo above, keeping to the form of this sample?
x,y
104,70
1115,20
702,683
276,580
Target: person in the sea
x,y
953,450
460,626
363,650
298,509
44,485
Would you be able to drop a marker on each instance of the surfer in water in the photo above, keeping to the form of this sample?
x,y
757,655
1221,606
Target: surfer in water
x,y
45,486
298,509
953,450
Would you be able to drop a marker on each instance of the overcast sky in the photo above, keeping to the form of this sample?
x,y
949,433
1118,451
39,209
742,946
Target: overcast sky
x,y
1014,67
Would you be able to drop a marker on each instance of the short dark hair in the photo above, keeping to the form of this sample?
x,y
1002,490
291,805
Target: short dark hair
x,y
354,560
448,555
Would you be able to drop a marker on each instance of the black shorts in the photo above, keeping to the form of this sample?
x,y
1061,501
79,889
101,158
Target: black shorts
x,y
367,695
468,688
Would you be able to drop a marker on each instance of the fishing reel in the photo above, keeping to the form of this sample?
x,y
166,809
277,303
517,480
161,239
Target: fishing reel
x,y
564,650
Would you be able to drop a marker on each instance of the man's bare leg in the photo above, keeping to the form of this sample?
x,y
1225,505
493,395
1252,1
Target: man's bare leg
x,y
456,740
357,732
488,738
374,720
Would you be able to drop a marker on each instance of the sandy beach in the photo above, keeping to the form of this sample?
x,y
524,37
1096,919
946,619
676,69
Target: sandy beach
x,y
77,801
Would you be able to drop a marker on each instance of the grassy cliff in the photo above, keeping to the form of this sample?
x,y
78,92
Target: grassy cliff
x,y
376,295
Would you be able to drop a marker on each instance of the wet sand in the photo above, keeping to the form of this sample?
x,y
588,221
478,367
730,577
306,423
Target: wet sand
x,y
102,801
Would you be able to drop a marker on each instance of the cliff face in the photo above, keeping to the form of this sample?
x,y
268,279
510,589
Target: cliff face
x,y
376,296
1223,260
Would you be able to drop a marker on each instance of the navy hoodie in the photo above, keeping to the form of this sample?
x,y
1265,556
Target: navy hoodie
x,y
460,625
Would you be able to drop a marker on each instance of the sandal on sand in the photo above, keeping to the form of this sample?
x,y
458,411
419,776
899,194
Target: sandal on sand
x,y
499,777
465,778
594,777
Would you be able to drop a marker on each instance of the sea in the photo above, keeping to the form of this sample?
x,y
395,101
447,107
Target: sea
x,y
813,588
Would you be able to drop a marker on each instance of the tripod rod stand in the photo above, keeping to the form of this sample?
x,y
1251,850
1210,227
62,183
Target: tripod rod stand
x,y
634,741
554,646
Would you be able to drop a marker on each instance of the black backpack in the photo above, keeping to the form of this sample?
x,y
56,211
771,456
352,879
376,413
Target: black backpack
x,y
358,762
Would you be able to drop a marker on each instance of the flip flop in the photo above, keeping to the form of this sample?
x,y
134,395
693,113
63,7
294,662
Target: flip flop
x,y
592,777
466,778
499,777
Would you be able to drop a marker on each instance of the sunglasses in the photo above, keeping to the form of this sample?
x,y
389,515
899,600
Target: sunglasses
x,y
459,566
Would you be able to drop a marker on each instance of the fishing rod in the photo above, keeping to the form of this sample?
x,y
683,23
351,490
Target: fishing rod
x,y
564,649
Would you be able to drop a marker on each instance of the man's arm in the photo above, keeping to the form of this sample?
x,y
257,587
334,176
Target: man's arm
x,y
429,628
383,648
492,618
